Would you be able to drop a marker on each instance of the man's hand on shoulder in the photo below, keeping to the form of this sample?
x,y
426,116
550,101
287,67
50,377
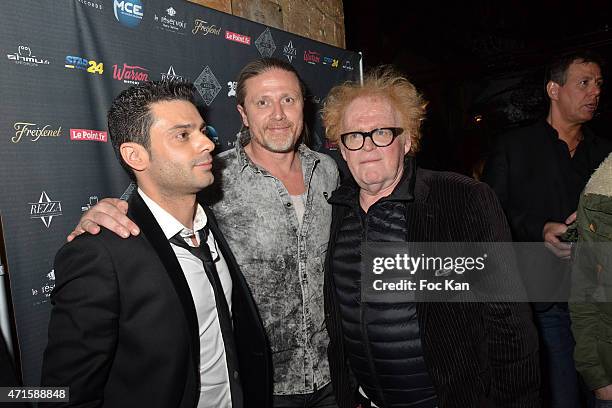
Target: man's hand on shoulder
x,y
109,213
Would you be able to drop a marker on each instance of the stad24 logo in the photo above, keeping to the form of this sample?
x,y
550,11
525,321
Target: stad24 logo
x,y
84,64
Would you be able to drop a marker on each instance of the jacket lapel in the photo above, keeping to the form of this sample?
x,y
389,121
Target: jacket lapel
x,y
143,217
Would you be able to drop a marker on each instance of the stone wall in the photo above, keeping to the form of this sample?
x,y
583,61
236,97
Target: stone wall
x,y
320,20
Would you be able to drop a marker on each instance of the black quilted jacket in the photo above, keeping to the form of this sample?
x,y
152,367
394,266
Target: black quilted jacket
x,y
476,354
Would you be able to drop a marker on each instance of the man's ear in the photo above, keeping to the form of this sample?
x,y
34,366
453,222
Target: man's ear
x,y
242,111
342,150
135,156
407,142
552,89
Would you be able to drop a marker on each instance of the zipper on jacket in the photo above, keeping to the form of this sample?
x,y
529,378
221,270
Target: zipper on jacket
x,y
364,333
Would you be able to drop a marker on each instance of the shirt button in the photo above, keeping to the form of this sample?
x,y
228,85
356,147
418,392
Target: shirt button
x,y
235,375
592,227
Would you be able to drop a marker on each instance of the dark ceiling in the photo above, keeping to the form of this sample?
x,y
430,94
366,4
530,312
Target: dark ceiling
x,y
431,38
479,59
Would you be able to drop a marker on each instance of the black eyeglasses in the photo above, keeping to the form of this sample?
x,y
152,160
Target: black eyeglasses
x,y
381,137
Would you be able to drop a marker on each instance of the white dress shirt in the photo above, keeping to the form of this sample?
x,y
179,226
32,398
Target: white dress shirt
x,y
215,388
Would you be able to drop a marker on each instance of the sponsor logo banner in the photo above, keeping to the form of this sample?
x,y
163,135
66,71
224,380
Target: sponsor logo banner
x,y
93,200
42,293
239,38
45,209
24,56
93,67
128,13
331,61
211,132
265,44
312,57
290,51
231,85
94,4
169,21
172,76
33,131
130,74
88,134
205,28
207,85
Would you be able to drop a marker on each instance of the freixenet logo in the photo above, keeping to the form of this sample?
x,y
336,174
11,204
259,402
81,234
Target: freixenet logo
x,y
130,74
204,28
128,13
239,38
24,56
33,131
312,57
84,64
89,135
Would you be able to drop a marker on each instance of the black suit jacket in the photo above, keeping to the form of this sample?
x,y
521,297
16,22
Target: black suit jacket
x,y
124,331
477,354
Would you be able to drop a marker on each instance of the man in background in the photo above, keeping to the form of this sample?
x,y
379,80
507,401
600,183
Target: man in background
x,y
538,173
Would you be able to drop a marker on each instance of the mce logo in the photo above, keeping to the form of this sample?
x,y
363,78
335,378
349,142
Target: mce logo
x,y
128,13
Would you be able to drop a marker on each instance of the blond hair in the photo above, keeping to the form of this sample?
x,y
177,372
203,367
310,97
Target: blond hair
x,y
383,82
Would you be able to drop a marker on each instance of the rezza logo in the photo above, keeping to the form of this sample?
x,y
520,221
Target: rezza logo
x,y
128,13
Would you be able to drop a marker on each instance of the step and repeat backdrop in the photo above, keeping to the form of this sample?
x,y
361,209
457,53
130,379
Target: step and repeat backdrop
x,y
62,63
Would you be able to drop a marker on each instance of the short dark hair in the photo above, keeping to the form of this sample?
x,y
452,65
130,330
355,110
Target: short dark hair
x,y
258,67
130,119
557,70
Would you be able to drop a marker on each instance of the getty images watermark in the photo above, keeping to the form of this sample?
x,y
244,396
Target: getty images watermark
x,y
440,266
482,272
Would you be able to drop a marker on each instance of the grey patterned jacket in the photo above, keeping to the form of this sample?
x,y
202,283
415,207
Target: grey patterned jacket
x,y
282,263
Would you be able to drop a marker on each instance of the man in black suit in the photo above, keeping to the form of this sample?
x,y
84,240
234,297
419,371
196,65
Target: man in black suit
x,y
538,173
410,353
162,319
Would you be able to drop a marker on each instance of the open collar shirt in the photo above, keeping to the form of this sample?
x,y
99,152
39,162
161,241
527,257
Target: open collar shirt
x,y
214,380
281,258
